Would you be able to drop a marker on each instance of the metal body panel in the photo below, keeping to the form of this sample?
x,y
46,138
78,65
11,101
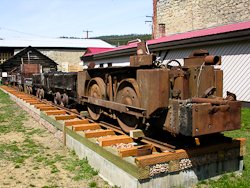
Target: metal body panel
x,y
209,119
154,89
141,60
219,83
201,78
196,119
57,82
82,78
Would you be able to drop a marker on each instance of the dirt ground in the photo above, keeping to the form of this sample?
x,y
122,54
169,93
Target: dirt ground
x,y
31,157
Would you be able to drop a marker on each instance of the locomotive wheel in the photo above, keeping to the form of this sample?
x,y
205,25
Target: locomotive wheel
x,y
65,100
97,89
26,89
57,98
20,88
126,94
37,93
41,94
29,89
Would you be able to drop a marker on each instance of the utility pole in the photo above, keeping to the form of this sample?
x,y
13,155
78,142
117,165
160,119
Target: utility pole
x,y
150,21
87,33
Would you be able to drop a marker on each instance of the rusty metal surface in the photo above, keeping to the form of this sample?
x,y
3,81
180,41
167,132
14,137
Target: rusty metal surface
x,y
212,60
207,100
219,82
209,119
179,83
201,116
82,80
154,89
141,60
30,68
197,61
200,79
96,89
193,61
128,95
150,93
140,112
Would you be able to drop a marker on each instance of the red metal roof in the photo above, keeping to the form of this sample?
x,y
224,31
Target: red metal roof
x,y
123,47
91,51
187,35
203,32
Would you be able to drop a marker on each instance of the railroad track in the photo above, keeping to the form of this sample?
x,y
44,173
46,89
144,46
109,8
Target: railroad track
x,y
147,152
106,132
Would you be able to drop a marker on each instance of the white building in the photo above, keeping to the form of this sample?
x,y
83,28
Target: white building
x,y
232,42
65,52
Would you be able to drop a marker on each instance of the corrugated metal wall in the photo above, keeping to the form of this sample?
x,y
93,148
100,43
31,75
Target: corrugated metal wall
x,y
235,65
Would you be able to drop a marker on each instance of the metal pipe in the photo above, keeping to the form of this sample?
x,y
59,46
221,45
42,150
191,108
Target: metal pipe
x,y
110,88
206,100
211,60
115,87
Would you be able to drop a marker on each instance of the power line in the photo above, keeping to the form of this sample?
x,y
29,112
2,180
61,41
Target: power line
x,y
152,25
21,32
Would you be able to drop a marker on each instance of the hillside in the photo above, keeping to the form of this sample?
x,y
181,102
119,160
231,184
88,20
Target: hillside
x,y
118,40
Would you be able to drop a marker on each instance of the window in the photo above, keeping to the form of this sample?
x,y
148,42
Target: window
x,y
4,56
162,30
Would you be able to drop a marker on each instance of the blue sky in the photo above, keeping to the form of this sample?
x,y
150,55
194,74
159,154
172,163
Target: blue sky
x,y
55,18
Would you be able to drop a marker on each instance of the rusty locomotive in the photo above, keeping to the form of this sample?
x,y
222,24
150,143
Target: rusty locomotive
x,y
183,100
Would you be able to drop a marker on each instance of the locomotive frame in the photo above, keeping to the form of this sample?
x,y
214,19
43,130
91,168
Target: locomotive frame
x,y
184,100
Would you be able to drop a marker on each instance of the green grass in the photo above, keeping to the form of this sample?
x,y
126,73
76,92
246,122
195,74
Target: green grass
x,y
79,168
18,152
92,184
11,117
11,121
231,180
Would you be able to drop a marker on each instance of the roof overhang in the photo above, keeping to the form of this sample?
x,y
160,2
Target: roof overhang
x,y
203,40
221,34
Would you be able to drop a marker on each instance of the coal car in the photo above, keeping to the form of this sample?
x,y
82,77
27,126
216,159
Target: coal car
x,y
61,86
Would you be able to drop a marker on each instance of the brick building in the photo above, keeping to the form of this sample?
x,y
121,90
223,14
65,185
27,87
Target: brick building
x,y
179,16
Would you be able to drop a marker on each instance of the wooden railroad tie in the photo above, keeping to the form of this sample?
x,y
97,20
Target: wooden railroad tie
x,y
35,102
55,112
25,98
31,100
76,122
108,141
22,95
66,117
47,108
135,151
189,153
41,105
84,127
99,133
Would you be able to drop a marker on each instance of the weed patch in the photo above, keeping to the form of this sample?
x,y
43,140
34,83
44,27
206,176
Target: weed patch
x,y
80,169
